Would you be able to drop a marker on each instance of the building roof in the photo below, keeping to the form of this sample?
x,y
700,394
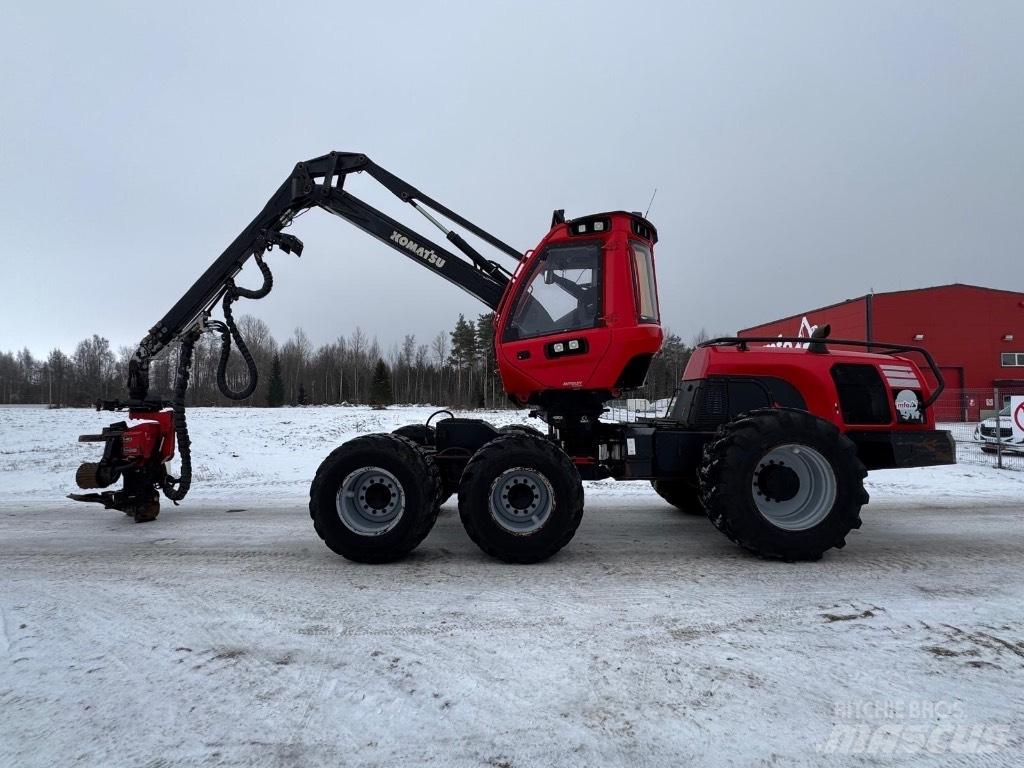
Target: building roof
x,y
950,285
882,293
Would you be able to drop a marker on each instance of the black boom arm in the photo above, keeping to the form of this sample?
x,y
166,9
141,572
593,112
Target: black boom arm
x,y
320,183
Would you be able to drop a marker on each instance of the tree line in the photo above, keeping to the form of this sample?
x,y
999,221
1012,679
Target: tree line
x,y
456,367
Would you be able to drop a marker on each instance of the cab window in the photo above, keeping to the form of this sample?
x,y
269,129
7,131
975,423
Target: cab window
x,y
647,291
561,294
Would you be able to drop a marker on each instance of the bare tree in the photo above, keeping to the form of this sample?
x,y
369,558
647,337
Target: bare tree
x,y
440,348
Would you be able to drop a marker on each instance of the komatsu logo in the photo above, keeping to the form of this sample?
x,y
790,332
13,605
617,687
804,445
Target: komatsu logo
x,y
426,254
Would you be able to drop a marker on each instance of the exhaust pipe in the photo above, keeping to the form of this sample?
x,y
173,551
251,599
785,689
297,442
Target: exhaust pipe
x,y
817,343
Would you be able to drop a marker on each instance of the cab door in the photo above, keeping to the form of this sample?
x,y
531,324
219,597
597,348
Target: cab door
x,y
554,334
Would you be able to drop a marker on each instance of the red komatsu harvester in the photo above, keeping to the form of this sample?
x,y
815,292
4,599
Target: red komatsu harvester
x,y
771,441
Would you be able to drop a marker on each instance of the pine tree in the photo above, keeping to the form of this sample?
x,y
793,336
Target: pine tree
x,y
463,343
462,355
302,400
275,390
380,385
489,384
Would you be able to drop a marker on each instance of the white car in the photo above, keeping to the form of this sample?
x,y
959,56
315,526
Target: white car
x,y
985,434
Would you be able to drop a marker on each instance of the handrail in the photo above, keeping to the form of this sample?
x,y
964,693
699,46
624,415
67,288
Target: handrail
x,y
880,347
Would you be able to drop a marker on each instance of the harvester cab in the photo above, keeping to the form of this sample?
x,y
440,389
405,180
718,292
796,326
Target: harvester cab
x,y
581,313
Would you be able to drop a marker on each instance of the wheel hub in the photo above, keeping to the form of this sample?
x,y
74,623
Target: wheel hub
x,y
370,501
778,482
794,487
521,500
378,496
522,496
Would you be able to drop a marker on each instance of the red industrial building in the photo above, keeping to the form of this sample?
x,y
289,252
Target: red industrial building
x,y
975,334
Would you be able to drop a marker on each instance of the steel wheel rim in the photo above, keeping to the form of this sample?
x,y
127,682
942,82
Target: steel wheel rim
x,y
521,500
813,495
370,501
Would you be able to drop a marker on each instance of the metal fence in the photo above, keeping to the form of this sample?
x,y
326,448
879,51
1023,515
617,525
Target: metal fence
x,y
977,418
632,408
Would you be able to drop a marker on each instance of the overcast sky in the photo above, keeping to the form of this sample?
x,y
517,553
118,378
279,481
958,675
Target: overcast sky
x,y
804,152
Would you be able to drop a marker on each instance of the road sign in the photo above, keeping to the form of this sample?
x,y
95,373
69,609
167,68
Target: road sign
x,y
1017,417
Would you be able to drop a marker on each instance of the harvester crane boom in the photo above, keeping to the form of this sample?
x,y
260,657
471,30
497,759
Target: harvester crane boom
x,y
320,183
317,183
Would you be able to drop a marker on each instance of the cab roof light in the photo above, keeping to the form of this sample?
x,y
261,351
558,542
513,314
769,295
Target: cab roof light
x,y
642,230
590,225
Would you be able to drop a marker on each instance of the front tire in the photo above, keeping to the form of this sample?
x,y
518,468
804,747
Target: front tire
x,y
783,484
374,499
682,494
521,498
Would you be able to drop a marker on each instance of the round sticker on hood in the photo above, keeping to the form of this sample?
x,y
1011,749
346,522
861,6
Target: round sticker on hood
x,y
908,405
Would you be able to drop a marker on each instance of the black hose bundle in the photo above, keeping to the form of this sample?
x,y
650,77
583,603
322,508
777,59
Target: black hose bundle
x,y
229,330
175,489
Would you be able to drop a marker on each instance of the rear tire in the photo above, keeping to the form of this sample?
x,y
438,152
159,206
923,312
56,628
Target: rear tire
x,y
374,499
425,436
683,495
521,498
421,434
783,484
520,429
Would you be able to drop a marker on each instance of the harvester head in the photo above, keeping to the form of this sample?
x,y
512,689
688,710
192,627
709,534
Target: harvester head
x,y
135,453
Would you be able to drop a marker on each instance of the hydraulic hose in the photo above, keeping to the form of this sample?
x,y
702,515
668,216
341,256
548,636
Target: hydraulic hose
x,y
176,489
229,331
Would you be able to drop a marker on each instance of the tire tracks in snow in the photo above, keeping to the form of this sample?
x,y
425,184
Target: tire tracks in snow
x,y
5,638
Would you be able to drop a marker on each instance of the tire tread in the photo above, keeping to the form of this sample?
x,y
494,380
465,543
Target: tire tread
x,y
403,450
479,465
735,439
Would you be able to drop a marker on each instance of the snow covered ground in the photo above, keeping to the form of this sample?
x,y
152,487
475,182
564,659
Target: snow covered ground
x,y
259,454
225,634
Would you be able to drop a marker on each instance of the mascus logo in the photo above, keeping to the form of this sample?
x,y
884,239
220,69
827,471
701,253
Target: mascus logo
x,y
426,254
